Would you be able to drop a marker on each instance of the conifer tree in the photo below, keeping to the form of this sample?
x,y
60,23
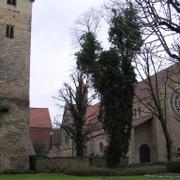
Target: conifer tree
x,y
113,77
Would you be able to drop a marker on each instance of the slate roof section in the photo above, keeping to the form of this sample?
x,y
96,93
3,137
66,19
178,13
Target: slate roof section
x,y
40,118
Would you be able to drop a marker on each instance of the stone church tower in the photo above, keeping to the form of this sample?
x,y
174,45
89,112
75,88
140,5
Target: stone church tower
x,y
15,36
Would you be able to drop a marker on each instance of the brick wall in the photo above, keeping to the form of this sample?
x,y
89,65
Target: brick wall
x,y
41,136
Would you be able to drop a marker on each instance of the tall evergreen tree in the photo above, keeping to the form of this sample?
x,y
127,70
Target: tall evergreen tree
x,y
126,40
113,77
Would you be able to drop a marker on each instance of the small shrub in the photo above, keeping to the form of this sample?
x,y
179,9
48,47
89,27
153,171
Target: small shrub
x,y
95,171
173,166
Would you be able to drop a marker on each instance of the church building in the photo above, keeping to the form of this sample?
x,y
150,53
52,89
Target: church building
x,y
148,142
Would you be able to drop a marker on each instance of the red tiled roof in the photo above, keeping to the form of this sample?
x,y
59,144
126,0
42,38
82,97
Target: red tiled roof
x,y
140,90
92,112
95,112
39,117
96,133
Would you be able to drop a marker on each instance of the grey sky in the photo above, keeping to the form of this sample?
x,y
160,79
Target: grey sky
x,y
52,51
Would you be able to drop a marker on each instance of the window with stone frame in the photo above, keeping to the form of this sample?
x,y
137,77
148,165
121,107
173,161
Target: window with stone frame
x,y
10,31
67,139
101,147
85,149
178,152
139,111
135,113
11,2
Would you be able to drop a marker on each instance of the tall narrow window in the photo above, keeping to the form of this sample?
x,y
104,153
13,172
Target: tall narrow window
x,y
85,149
66,139
139,111
101,147
178,152
11,2
50,141
10,31
135,113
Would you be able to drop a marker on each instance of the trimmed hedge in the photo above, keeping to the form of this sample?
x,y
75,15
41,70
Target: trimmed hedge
x,y
81,167
173,166
93,171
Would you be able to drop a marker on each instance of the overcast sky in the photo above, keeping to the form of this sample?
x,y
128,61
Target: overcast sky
x,y
52,52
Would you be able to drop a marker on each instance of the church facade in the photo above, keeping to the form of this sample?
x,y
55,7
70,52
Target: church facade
x,y
148,142
147,138
15,37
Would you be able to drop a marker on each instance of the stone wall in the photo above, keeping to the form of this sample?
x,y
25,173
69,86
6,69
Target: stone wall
x,y
14,85
60,164
156,139
15,53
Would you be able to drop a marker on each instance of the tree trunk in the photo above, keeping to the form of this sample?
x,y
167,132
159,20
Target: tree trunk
x,y
79,142
168,140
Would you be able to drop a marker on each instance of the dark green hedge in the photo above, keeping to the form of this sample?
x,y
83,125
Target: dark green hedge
x,y
93,171
173,166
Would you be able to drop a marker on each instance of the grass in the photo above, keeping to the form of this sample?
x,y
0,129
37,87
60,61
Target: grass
x,y
66,177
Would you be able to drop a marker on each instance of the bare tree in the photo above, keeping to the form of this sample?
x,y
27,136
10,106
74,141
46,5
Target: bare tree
x,y
87,22
77,101
161,25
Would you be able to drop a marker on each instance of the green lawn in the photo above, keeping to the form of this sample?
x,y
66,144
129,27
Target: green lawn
x,y
65,177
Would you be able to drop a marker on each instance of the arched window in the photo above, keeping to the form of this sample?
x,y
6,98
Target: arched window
x,y
101,147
